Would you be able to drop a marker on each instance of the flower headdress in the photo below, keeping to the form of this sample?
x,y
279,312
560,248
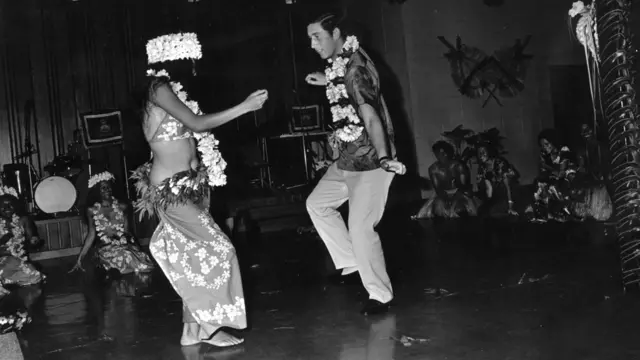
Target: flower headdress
x,y
7,190
172,47
160,73
98,178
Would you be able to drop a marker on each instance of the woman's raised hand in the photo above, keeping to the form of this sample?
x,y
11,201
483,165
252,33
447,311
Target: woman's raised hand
x,y
256,100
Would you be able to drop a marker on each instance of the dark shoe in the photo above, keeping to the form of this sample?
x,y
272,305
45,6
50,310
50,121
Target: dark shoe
x,y
374,307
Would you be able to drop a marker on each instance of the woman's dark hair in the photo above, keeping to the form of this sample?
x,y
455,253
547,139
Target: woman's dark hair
x,y
552,136
94,196
332,20
442,145
15,202
179,71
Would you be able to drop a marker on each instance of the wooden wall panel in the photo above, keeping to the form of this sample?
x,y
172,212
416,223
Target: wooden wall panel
x,y
61,234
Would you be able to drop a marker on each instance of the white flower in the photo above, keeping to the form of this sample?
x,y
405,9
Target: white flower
x,y
160,73
7,190
97,178
174,47
577,8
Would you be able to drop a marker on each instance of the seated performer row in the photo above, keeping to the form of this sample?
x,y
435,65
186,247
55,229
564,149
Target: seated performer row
x,y
565,189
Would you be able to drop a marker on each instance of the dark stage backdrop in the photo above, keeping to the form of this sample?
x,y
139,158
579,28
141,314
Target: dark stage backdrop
x,y
59,58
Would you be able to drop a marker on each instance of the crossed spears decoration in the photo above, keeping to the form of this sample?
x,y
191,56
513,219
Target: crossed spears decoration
x,y
489,63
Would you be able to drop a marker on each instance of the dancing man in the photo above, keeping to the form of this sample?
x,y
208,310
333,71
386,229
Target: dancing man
x,y
118,252
365,165
196,256
16,232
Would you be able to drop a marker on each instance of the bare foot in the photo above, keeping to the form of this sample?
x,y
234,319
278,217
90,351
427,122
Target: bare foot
x,y
189,335
222,339
188,340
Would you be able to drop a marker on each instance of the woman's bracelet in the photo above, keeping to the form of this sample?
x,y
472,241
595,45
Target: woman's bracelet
x,y
382,159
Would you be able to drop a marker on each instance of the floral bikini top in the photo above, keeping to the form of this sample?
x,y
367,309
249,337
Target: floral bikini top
x,y
169,129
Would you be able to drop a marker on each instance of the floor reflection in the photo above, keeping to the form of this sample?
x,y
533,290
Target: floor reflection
x,y
380,344
497,311
206,352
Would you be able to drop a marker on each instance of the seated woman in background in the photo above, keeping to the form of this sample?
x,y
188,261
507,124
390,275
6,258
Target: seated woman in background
x,y
450,179
117,252
495,179
15,232
592,200
558,168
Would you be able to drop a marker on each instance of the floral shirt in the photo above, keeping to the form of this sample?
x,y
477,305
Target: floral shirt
x,y
498,173
363,86
558,165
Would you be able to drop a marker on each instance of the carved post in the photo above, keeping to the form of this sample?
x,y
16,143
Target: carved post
x,y
621,117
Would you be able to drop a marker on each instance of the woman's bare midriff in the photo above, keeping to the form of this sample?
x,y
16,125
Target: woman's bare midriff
x,y
171,157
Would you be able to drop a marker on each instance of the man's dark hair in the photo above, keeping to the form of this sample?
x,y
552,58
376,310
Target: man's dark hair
x,y
552,136
332,20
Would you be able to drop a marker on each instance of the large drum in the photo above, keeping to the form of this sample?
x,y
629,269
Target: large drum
x,y
55,194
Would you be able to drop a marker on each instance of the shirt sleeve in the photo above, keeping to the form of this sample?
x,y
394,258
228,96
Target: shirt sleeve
x,y
360,86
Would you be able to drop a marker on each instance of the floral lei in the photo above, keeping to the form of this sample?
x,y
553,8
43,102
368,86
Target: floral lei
x,y
347,124
16,245
102,223
207,143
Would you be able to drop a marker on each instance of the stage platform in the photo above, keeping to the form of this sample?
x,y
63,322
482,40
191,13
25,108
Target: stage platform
x,y
256,210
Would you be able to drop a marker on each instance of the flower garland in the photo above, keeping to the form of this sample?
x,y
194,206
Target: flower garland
x,y
208,145
587,27
7,190
174,47
98,178
102,223
14,321
15,245
345,117
183,187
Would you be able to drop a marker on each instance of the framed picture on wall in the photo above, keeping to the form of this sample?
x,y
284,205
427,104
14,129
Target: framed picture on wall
x,y
102,127
305,118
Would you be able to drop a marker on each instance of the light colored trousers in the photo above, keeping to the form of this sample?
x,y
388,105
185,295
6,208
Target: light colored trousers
x,y
357,248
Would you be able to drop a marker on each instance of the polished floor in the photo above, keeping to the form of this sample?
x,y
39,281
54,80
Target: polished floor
x,y
535,293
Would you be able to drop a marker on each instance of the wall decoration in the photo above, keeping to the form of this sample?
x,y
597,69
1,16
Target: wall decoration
x,y
500,75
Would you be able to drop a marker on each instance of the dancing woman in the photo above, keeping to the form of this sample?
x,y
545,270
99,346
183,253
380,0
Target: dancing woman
x,y
117,250
196,256
16,232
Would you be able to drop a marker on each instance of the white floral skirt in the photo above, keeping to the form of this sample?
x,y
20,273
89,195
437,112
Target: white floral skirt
x,y
201,264
126,259
18,271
